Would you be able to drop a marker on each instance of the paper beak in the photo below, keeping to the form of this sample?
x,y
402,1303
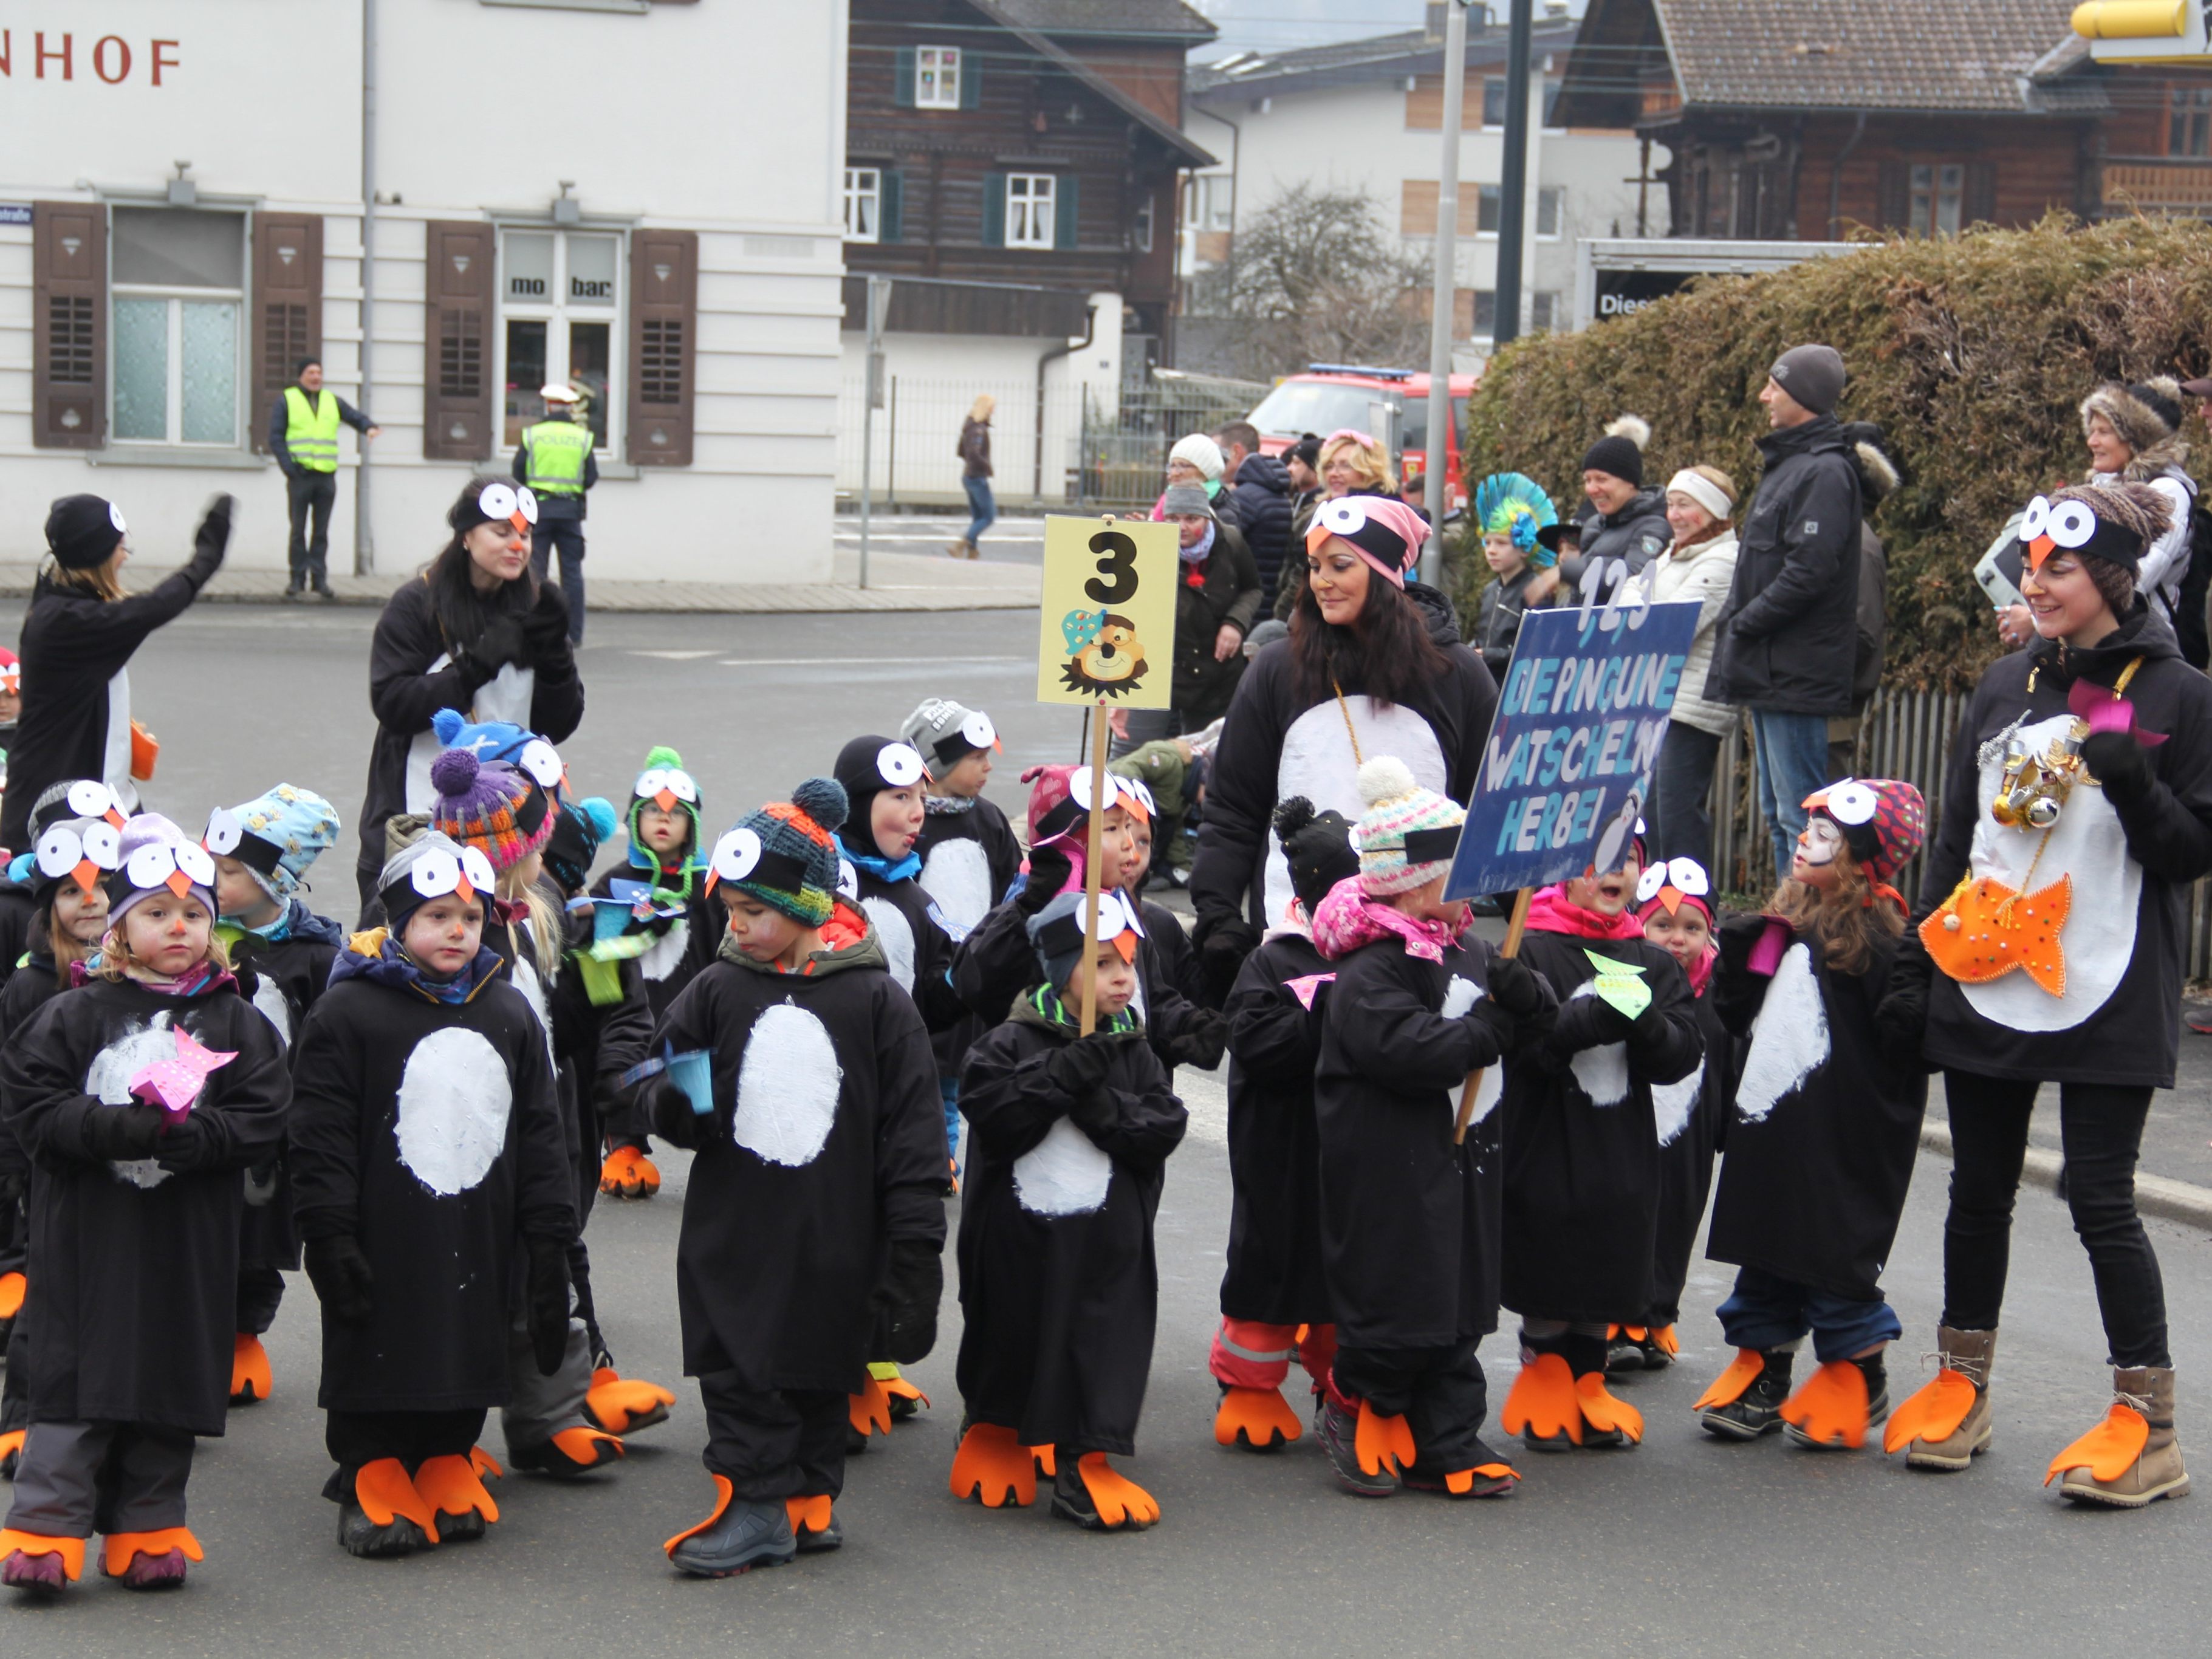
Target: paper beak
x,y
666,800
466,889
1124,946
712,877
177,882
86,875
113,816
1671,896
2039,549
521,525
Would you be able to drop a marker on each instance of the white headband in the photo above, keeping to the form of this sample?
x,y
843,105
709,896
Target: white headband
x,y
1703,491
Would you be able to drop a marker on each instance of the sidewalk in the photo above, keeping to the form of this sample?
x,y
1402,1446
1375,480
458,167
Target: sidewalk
x,y
896,581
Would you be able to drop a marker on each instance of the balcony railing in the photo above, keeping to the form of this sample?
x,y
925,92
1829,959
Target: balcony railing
x,y
2182,186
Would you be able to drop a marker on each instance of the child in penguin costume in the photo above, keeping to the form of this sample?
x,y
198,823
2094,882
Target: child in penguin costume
x,y
1275,1293
1674,904
1176,963
1826,1126
140,1098
1069,1136
1582,1151
821,1155
1408,1213
67,874
282,952
428,1180
667,920
969,856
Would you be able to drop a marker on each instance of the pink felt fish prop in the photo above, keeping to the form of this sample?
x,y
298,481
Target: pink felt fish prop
x,y
2104,711
174,1084
1304,989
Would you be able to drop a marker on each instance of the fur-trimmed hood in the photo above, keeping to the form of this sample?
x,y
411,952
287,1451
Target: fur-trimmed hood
x,y
2147,416
1878,474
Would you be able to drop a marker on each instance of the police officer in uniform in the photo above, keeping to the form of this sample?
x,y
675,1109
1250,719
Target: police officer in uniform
x,y
555,459
303,436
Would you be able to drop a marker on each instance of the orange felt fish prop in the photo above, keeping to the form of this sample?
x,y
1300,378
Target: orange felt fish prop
x,y
1986,929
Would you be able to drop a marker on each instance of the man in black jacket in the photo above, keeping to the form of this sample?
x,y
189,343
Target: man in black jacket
x,y
1262,486
1788,638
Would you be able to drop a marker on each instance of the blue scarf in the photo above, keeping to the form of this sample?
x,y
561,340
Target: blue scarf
x,y
883,869
391,966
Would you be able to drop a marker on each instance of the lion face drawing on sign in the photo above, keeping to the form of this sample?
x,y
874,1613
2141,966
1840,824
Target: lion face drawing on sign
x,y
1109,658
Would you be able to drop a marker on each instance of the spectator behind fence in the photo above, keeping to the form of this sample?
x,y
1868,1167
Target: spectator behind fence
x,y
975,453
1261,487
1197,459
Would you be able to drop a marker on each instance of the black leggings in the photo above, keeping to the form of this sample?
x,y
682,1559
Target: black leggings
x,y
2100,1127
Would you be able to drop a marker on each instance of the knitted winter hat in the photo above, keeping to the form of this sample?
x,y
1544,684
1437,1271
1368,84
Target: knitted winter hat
x,y
785,855
580,829
665,784
2144,415
74,797
489,805
490,499
1201,452
1883,821
1386,532
1264,634
1813,375
1408,834
1671,885
82,531
1317,846
88,850
11,673
1056,932
866,767
275,835
947,732
2114,522
428,867
1060,800
156,856
1621,452
502,740
1307,449
1182,499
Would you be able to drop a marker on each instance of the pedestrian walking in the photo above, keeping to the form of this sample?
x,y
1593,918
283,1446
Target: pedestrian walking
x,y
303,436
975,453
1789,637
556,460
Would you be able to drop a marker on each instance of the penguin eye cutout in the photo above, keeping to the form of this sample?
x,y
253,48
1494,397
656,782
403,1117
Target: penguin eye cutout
x,y
1649,884
476,871
978,730
849,881
2036,519
435,874
150,865
1079,788
679,784
197,864
115,518
497,502
736,854
1140,792
103,844
541,762
1343,516
224,832
90,798
1852,802
525,502
650,784
59,852
2072,524
899,764
1687,876
1113,919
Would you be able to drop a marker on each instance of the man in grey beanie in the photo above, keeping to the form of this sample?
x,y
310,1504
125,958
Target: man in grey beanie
x,y
1788,635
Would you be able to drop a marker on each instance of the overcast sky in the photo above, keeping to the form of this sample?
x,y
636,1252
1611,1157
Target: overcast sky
x,y
1250,25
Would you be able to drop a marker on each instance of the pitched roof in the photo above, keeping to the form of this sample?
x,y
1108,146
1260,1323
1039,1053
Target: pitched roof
x,y
1374,57
1039,40
1124,17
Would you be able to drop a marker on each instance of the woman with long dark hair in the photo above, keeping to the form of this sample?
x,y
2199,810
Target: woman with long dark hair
x,y
1374,665
476,632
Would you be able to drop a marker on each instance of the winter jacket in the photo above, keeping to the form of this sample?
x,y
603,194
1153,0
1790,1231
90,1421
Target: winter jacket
x,y
2166,561
1632,538
1227,593
1789,638
1497,618
1278,742
1873,621
2130,863
1263,510
1700,574
975,448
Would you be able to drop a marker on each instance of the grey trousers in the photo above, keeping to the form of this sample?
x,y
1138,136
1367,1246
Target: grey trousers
x,y
77,1479
538,1406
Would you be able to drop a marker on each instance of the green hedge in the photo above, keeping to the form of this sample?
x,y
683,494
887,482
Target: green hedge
x,y
1973,353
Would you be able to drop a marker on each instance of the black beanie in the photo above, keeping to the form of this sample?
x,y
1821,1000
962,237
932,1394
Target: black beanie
x,y
1621,452
82,531
866,767
1317,847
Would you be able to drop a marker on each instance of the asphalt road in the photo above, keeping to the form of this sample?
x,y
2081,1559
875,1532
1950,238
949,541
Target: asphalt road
x,y
1682,1546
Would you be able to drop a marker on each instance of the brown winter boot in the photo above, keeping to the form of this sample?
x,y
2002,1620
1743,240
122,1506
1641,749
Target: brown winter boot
x,y
2133,1456
1947,1424
962,549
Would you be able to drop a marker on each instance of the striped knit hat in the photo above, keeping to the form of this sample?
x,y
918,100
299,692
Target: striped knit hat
x,y
488,805
785,855
1408,834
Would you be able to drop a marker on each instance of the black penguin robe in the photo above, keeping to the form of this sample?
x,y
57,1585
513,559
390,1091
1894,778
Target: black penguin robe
x,y
968,861
1692,1119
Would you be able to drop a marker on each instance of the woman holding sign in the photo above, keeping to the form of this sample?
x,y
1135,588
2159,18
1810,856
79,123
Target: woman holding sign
x,y
1374,665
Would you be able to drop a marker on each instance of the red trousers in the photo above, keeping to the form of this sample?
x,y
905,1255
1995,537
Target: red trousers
x,y
1247,1354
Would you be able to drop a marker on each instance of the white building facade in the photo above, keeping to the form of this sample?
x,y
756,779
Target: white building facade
x,y
594,191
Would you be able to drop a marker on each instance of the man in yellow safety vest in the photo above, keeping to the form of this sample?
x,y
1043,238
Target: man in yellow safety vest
x,y
303,436
555,459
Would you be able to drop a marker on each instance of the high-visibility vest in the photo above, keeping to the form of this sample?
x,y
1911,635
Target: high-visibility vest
x,y
311,430
555,450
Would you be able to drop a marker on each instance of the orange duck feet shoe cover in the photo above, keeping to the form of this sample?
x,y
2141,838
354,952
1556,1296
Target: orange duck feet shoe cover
x,y
72,1550
384,1491
1830,1406
1383,1442
869,1412
250,1378
12,1286
623,1405
451,1487
1727,1387
1261,1417
1543,1402
2108,1450
723,1492
808,1514
1933,1413
993,1465
1606,1411
121,1548
1120,1501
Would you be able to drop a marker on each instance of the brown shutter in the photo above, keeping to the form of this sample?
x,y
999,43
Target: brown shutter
x,y
457,340
68,335
1979,206
664,344
287,305
1892,195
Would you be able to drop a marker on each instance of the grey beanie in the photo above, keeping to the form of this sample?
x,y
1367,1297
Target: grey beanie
x,y
1813,375
1186,498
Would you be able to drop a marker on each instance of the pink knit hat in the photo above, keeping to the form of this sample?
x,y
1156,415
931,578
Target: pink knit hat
x,y
1386,532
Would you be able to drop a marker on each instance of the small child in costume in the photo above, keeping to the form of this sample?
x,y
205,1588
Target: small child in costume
x,y
672,929
1275,1293
1514,511
1058,1283
1408,1213
1826,1126
427,1157
821,1155
1174,959
282,952
140,1097
1581,1152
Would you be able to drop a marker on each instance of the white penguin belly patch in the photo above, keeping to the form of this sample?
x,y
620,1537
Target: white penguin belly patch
x,y
1603,1071
454,1099
1671,1104
108,1079
1316,762
957,875
896,933
1064,1174
787,1087
1789,1040
661,959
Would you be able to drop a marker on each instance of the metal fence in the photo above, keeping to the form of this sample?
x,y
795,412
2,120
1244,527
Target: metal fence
x,y
917,433
1125,448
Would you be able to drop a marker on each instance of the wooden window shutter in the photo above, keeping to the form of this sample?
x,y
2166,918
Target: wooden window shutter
x,y
1979,204
902,78
458,343
287,306
1892,195
664,337
69,336
1066,210
994,209
971,80
892,210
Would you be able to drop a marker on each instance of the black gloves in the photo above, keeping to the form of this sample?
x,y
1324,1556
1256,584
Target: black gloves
x,y
914,1283
2117,760
1079,1067
211,541
1514,986
1049,869
1223,942
1201,1041
546,1310
499,644
1901,1016
668,1108
1737,934
341,1276
545,628
122,1133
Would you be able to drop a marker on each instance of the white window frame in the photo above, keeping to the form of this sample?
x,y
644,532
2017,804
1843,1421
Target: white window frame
x,y
173,419
1032,214
864,205
1147,213
556,314
938,69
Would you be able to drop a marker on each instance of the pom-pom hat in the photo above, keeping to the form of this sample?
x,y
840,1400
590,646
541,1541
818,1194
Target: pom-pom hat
x,y
502,813
947,732
1387,533
502,740
1619,453
580,828
1056,932
430,866
1408,833
156,856
275,835
1670,885
784,854
1884,821
1317,847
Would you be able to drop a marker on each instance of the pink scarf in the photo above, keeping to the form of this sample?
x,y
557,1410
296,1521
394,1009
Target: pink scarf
x,y
1701,970
1348,918
1550,912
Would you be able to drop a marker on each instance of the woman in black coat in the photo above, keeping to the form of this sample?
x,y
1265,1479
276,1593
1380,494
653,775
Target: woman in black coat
x,y
477,633
1217,596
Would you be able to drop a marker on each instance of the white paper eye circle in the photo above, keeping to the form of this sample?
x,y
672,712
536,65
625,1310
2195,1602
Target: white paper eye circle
x,y
2072,524
849,881
151,865
681,785
103,844
2036,519
1140,792
1688,876
899,764
736,854
1342,516
1078,789
90,798
435,873
525,501
197,864
59,852
115,518
224,832
1114,917
542,761
978,730
1649,884
1852,802
478,868
495,501
650,784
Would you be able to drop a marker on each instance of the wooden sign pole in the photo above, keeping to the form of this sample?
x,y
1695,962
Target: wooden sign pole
x,y
1514,929
1096,838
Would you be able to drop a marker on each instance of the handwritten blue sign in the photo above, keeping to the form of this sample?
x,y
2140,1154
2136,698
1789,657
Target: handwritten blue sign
x,y
1573,747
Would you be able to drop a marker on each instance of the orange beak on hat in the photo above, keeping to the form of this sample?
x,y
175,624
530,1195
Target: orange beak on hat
x,y
466,889
115,817
86,874
521,524
2039,549
177,882
1671,896
1125,945
664,800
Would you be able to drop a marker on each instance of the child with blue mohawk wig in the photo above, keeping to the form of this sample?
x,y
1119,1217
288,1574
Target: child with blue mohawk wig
x,y
1511,509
